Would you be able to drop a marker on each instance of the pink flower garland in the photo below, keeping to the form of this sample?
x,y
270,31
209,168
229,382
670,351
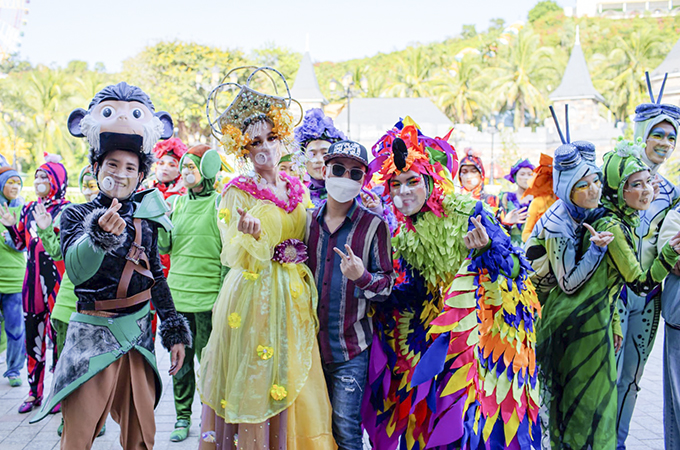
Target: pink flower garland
x,y
296,191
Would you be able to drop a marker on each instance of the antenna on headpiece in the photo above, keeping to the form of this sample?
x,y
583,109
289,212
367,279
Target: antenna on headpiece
x,y
566,121
649,88
557,124
663,85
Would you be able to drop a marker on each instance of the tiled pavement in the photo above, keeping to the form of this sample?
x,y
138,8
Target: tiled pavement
x,y
17,434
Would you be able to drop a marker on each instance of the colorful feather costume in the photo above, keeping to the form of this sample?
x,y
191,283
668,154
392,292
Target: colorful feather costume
x,y
452,362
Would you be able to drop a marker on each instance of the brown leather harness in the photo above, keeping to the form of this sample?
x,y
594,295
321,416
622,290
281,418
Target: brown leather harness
x,y
134,257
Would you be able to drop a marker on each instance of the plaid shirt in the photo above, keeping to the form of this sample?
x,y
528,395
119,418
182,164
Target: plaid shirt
x,y
345,328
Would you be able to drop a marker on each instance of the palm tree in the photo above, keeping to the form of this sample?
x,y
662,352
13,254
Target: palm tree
x,y
414,73
524,69
620,74
459,92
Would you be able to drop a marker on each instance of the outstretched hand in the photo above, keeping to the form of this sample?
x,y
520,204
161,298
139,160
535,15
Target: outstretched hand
x,y
476,238
351,265
601,238
248,224
42,218
516,216
110,221
7,218
371,201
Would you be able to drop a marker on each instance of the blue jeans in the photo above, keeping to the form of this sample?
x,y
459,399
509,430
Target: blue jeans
x,y
13,313
346,381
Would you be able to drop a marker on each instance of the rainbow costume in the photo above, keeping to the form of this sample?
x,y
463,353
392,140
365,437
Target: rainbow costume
x,y
453,362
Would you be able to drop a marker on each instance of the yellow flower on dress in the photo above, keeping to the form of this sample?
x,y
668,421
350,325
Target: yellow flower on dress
x,y
224,215
278,393
265,352
252,276
223,403
295,289
234,320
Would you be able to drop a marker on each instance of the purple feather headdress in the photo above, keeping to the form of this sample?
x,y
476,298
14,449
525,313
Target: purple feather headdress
x,y
317,126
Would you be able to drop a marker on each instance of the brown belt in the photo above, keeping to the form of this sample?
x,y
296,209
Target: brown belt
x,y
135,256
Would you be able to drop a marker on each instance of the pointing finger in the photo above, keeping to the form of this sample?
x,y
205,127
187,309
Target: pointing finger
x,y
590,229
339,252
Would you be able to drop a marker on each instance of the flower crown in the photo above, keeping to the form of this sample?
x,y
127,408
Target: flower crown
x,y
316,125
248,107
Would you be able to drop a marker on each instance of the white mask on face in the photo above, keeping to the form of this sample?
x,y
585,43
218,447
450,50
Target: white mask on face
x,y
42,188
342,190
190,179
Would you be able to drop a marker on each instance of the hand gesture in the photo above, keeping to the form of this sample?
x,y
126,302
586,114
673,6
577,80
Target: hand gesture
x,y
601,239
477,238
618,341
656,184
675,242
42,218
351,265
248,224
110,221
371,202
7,217
176,358
516,216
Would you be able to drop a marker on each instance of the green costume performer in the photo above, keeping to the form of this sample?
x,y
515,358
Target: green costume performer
x,y
575,347
194,246
111,255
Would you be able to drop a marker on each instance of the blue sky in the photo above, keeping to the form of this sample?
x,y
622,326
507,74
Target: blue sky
x,y
110,31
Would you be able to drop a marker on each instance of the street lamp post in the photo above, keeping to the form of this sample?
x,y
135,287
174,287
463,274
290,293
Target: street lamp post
x,y
349,90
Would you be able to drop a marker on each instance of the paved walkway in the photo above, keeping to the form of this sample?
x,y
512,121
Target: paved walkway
x,y
17,434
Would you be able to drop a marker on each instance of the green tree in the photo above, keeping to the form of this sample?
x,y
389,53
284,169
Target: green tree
x,y
459,93
620,73
524,68
413,76
542,9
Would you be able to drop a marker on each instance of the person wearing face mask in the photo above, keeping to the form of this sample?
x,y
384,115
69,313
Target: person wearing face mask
x,y
65,303
13,263
315,136
656,125
471,176
513,206
541,189
432,381
110,253
43,274
194,248
351,259
261,381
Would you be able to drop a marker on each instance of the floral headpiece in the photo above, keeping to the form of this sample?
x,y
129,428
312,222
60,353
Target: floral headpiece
x,y
405,148
173,147
248,107
317,126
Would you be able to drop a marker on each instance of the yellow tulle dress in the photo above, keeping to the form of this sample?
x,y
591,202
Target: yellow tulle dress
x,y
261,370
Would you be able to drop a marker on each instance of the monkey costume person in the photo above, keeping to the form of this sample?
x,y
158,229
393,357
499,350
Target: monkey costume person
x,y
111,255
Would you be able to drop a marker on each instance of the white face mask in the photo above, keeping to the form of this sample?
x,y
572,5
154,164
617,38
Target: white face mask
x,y
342,190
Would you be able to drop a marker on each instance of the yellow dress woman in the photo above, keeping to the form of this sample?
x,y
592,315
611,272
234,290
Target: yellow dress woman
x,y
261,380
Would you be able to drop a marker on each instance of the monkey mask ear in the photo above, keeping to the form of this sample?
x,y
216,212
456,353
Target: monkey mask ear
x,y
74,122
166,120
